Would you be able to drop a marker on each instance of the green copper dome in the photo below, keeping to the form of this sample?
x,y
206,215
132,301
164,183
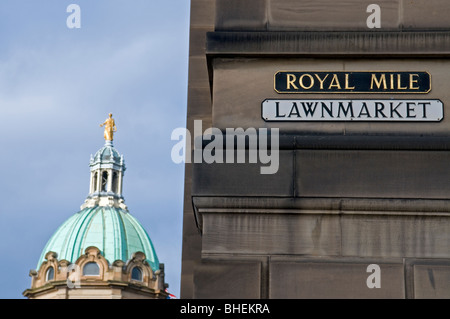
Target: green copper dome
x,y
112,230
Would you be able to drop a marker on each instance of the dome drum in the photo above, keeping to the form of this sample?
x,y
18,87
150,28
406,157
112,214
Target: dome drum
x,y
70,280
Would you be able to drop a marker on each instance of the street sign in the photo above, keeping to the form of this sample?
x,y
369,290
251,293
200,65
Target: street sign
x,y
352,110
352,82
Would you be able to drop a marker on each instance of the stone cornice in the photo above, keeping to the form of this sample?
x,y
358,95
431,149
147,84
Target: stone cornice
x,y
324,206
378,44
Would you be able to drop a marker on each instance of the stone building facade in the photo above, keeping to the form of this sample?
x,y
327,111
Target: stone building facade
x,y
347,194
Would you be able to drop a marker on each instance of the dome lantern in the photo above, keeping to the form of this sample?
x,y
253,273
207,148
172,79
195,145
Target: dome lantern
x,y
107,169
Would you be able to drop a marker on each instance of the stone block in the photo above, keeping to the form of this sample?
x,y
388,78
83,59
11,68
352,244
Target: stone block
x,y
238,15
373,174
338,279
267,234
322,15
432,281
241,85
202,13
198,72
221,179
425,15
197,41
384,235
199,100
227,280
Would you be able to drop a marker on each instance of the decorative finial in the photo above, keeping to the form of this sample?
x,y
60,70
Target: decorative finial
x,y
110,128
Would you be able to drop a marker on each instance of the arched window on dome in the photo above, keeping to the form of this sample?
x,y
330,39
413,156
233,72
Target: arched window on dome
x,y
50,274
91,269
95,182
136,274
114,182
104,180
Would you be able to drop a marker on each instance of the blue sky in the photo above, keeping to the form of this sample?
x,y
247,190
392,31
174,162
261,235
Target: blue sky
x,y
130,57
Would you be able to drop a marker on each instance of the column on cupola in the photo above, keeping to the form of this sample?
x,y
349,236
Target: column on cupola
x,y
91,184
109,180
119,183
99,180
94,181
120,177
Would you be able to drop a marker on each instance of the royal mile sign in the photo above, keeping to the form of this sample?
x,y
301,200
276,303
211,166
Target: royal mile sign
x,y
352,82
344,108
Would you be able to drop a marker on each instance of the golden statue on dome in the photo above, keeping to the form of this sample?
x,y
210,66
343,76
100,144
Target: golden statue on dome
x,y
110,128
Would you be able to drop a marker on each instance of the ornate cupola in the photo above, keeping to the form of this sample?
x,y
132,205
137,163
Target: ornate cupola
x,y
102,251
107,169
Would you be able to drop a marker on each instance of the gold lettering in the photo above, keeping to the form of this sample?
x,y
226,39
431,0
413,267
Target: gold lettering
x,y
300,81
378,83
321,80
346,83
399,83
335,82
290,81
392,81
412,81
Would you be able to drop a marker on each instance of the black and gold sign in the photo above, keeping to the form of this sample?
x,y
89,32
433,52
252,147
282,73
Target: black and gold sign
x,y
352,82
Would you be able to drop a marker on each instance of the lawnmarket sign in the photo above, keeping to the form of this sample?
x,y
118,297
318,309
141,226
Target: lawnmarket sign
x,y
352,110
